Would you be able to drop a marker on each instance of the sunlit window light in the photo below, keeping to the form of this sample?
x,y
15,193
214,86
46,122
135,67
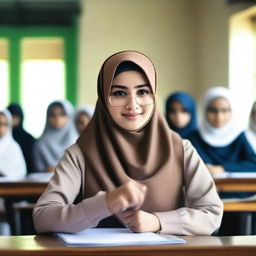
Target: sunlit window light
x,y
4,82
43,81
242,65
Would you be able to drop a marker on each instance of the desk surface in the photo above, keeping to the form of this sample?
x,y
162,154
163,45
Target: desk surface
x,y
235,184
197,245
32,185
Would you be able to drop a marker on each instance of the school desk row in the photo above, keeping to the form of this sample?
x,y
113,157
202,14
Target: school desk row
x,y
31,188
195,245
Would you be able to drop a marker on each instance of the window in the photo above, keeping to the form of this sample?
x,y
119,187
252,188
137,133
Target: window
x,y
242,67
4,74
42,79
38,64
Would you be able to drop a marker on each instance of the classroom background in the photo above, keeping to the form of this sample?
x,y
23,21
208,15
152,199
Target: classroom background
x,y
53,49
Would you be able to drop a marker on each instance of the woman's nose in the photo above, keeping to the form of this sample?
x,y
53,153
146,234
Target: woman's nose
x,y
132,103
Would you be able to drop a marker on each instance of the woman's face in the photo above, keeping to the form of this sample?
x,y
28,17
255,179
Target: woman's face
x,y
16,120
57,117
218,112
3,125
178,115
131,101
82,121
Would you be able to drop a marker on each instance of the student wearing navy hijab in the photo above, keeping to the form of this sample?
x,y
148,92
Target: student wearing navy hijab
x,y
180,113
24,139
219,141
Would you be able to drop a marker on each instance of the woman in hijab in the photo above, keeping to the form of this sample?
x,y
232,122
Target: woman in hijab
x,y
180,113
251,132
59,133
25,140
128,168
83,116
219,141
12,163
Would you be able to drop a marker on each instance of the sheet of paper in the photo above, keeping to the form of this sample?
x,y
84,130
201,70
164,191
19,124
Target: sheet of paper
x,y
116,237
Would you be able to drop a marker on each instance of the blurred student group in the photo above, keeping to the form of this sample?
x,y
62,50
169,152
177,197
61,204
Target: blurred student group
x,y
211,124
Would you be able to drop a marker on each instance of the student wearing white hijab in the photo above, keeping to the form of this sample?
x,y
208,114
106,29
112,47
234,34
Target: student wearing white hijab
x,y
12,162
251,132
224,148
83,116
219,141
59,133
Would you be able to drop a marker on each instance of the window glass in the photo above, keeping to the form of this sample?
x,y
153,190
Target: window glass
x,y
4,75
42,79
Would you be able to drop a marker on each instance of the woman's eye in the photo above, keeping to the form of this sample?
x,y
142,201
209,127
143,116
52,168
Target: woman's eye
x,y
143,92
119,93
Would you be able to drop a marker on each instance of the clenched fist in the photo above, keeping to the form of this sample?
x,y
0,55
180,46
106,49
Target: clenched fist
x,y
130,195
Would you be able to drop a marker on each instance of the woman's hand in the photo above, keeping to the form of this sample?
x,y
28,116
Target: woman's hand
x,y
129,195
140,221
51,168
215,169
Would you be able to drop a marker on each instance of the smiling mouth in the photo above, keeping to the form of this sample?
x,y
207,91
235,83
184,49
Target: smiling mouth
x,y
131,116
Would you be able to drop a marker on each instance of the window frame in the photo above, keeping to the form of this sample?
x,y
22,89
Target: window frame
x,y
14,35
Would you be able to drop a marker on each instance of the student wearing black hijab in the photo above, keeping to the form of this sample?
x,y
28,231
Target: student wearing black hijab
x,y
25,140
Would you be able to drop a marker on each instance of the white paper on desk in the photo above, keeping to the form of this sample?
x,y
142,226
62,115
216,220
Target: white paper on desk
x,y
116,237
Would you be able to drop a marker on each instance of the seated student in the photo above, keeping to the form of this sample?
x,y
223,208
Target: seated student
x,y
251,132
12,163
128,167
222,146
25,140
82,117
59,133
180,113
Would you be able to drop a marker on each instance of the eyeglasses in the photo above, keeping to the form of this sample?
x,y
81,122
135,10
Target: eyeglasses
x,y
217,111
120,98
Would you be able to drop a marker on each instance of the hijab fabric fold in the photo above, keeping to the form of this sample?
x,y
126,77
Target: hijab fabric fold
x,y
152,155
223,136
189,105
12,163
24,139
51,145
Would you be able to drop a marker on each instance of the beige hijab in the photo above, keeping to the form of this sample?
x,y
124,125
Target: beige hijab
x,y
152,155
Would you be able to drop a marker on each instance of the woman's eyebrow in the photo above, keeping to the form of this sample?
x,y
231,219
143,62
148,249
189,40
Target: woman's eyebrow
x,y
119,87
142,85
126,88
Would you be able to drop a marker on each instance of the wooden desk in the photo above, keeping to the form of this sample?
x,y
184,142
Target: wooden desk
x,y
237,185
22,188
15,191
195,246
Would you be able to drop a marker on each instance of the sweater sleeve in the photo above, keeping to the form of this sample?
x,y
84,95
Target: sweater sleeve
x,y
203,211
55,210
